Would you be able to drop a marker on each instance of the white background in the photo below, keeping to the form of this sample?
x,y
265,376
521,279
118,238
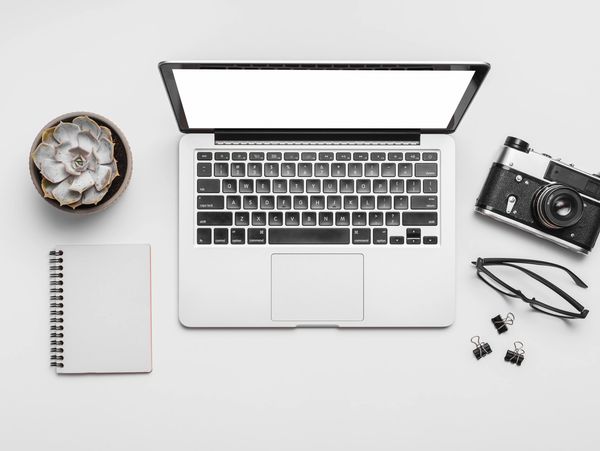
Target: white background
x,y
303,389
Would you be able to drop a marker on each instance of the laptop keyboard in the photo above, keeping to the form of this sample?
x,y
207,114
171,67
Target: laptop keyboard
x,y
296,198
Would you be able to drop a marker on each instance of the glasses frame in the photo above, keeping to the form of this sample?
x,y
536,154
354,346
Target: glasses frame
x,y
481,267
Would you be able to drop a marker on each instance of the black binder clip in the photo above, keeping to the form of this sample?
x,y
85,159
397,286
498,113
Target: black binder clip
x,y
481,348
501,323
517,356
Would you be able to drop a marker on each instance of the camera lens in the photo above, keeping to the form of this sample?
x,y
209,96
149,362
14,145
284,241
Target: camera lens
x,y
516,143
557,206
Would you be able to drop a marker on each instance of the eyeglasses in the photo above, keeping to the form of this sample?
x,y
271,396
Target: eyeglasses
x,y
486,275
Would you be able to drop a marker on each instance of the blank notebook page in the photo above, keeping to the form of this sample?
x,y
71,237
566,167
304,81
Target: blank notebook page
x,y
106,309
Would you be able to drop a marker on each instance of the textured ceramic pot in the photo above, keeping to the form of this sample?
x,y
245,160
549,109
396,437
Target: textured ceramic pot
x,y
122,155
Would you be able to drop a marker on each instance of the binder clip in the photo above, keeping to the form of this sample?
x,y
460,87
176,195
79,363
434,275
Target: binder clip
x,y
481,348
501,323
517,356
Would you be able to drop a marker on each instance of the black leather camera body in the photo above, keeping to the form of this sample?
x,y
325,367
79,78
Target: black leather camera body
x,y
543,196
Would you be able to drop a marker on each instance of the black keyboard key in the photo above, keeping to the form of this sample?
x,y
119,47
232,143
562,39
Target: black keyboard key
x,y
234,202
380,236
221,218
330,186
412,156
309,236
343,156
371,169
309,218
204,156
257,156
430,186
275,218
377,156
250,202
238,236
242,218
400,202
222,156
404,169
271,169
288,169
361,236
204,169
384,202
313,186
296,186
359,218
259,218
342,218
238,169
350,202
420,218
363,186
300,202
334,202
246,186
346,186
423,202
279,186
426,169
322,170
375,218
355,170
325,218
229,186
221,236
221,170
292,218
360,156
291,156
267,202
274,156
308,156
413,233
239,156
413,241
396,240
284,202
392,218
396,186
413,186
430,240
317,202
257,236
367,202
430,156
263,186
203,236
210,202
325,156
395,156
338,169
388,170
254,170
304,170
207,186
380,186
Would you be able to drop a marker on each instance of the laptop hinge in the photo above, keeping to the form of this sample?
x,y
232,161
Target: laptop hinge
x,y
331,137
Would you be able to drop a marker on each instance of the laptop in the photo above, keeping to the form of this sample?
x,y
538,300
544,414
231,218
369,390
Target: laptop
x,y
317,194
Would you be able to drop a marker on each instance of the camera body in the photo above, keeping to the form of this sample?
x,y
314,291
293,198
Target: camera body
x,y
543,196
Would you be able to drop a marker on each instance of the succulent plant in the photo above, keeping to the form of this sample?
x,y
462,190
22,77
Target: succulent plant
x,y
77,163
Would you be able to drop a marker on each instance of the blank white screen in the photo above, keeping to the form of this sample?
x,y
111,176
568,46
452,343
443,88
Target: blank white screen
x,y
250,98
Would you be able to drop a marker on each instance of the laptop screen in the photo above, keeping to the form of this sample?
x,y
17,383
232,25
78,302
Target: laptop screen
x,y
299,98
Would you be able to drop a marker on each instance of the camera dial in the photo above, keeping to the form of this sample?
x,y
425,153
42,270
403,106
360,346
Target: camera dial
x,y
557,206
517,144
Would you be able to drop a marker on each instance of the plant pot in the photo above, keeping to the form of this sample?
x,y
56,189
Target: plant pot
x,y
122,154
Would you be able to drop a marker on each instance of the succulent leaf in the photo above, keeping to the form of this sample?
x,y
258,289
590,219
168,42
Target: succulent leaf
x,y
88,125
87,142
93,196
64,194
66,132
82,182
54,171
105,151
105,133
42,152
48,136
102,177
47,188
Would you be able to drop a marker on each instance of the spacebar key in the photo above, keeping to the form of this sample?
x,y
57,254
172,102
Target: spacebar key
x,y
309,236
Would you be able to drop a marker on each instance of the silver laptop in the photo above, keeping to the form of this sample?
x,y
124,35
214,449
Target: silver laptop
x,y
317,194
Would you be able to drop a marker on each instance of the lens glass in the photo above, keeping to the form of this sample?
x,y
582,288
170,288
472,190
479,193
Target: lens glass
x,y
558,206
562,207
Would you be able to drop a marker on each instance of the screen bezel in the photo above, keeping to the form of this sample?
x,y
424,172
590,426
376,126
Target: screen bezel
x,y
480,71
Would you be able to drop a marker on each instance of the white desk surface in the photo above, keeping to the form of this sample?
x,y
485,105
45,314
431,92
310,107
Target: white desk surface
x,y
295,389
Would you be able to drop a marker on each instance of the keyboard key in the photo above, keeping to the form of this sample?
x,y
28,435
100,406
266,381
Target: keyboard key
x,y
309,236
257,236
396,240
284,202
384,202
246,186
430,186
377,156
360,156
234,202
204,156
338,169
412,156
355,170
400,202
280,186
288,169
396,186
221,218
359,218
313,186
321,170
380,236
392,218
350,202
413,241
291,156
238,236
221,236
413,233
325,156
413,186
250,202
342,218
271,170
423,202
426,169
309,218
296,186
420,219
326,218
221,169
375,218
371,169
300,202
430,156
367,202
334,202
204,169
274,156
210,202
263,186
259,218
203,236
222,156
380,186
207,186
317,202
308,156
238,169
267,202
346,186
388,170
239,156
404,169
229,186
242,218
257,156
343,156
363,186
361,236
254,170
330,186
275,218
292,218
395,156
304,170
430,240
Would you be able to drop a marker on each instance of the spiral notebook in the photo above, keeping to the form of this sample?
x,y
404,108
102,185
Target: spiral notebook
x,y
100,309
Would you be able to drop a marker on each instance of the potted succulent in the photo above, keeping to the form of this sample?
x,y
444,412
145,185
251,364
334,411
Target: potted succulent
x,y
80,162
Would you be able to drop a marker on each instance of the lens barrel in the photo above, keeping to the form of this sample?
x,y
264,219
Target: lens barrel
x,y
557,206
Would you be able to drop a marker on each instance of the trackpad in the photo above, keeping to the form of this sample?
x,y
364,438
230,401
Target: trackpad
x,y
317,287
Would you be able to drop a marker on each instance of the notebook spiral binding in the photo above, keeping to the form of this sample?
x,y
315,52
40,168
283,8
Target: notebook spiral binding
x,y
56,309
